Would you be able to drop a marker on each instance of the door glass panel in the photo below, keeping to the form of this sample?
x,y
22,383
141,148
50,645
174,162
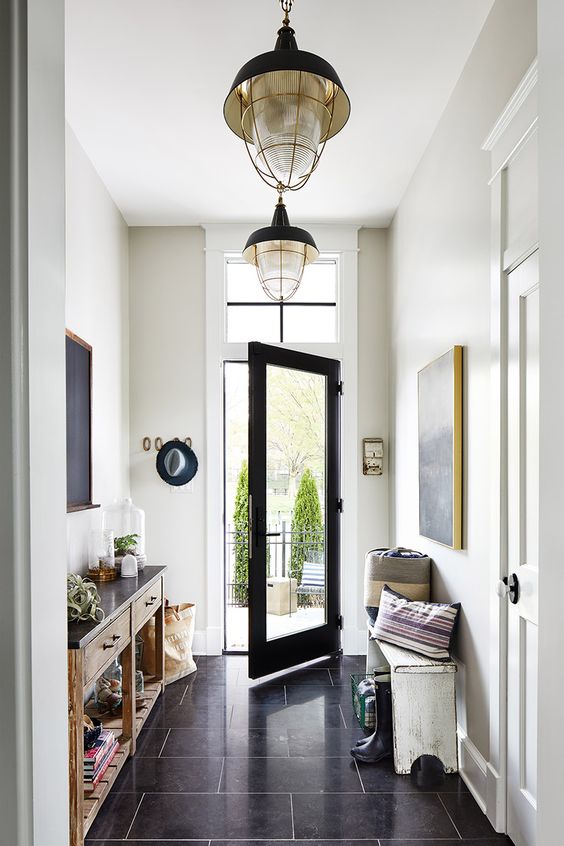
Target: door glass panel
x,y
296,584
236,475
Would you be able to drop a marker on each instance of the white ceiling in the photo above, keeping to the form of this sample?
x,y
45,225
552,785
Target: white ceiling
x,y
146,81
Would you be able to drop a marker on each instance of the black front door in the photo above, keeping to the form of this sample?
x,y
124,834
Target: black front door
x,y
294,508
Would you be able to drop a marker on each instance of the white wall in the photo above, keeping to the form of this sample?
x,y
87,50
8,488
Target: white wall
x,y
372,525
439,296
167,357
97,309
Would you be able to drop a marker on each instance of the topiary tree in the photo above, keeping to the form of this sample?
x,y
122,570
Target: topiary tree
x,y
241,533
307,525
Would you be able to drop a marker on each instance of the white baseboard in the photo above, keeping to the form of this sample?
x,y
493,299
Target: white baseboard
x,y
473,769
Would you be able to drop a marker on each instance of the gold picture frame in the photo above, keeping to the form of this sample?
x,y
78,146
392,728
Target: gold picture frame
x,y
439,395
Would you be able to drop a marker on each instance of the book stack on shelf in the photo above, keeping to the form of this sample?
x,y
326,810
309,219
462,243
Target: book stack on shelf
x,y
98,758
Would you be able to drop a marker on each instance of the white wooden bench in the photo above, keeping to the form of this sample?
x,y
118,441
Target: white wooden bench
x,y
423,706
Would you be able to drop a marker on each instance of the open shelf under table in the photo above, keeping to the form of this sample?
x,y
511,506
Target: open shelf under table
x,y
144,703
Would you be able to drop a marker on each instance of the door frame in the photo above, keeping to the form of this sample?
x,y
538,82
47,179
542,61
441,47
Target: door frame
x,y
515,126
310,643
223,241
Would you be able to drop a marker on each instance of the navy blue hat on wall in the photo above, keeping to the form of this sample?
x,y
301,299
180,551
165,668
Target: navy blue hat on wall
x,y
176,463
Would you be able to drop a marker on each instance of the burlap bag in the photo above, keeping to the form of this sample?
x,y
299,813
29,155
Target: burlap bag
x,y
179,634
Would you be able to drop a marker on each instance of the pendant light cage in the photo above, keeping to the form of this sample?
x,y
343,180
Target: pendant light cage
x,y
280,253
280,267
286,119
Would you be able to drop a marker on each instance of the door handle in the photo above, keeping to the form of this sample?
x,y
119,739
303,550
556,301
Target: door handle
x,y
269,534
250,524
509,586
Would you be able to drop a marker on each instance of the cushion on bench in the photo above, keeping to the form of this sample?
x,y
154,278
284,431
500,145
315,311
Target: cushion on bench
x,y
424,627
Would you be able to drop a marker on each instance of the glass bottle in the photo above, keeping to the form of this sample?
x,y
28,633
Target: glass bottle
x,y
101,558
127,522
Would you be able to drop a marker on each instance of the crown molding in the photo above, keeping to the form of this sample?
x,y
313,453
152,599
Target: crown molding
x,y
515,102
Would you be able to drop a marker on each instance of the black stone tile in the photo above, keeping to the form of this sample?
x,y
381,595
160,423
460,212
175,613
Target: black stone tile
x,y
381,778
341,676
231,743
504,841
467,816
214,816
173,693
115,816
291,716
319,741
200,694
150,842
350,816
301,842
290,775
317,694
150,742
307,676
170,775
216,676
190,715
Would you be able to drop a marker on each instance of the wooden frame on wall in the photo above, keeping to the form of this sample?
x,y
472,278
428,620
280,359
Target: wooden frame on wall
x,y
439,387
78,356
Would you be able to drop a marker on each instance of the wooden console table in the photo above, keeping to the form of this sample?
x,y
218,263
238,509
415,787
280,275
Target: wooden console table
x,y
92,647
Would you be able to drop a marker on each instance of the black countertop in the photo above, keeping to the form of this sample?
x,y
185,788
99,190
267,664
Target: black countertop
x,y
115,597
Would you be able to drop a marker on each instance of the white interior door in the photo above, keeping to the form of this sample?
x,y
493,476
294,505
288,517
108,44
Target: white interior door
x,y
523,546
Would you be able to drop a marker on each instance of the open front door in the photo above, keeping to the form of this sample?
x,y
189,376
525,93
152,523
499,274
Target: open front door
x,y
294,508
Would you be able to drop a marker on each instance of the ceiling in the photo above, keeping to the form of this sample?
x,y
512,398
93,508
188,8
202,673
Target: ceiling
x,y
146,81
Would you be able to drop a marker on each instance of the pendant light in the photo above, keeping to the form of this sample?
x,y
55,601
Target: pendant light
x,y
280,252
285,105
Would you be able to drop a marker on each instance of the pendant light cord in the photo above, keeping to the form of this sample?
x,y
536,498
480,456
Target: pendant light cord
x,y
286,8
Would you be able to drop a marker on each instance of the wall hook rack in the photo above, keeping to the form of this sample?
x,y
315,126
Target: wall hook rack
x,y
159,442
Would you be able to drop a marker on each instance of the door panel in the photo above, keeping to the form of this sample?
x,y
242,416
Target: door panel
x,y
293,508
523,513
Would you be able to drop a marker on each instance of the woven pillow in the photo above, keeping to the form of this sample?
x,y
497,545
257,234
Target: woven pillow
x,y
424,627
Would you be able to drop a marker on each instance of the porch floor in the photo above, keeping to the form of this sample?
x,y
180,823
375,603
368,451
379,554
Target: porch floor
x,y
226,761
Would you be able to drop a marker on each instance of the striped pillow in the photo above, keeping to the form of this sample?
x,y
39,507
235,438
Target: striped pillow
x,y
424,627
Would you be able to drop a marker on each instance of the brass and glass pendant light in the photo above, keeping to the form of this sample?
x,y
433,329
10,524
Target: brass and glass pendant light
x,y
285,105
280,252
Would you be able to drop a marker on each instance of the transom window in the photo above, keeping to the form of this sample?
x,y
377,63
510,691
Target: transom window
x,y
309,317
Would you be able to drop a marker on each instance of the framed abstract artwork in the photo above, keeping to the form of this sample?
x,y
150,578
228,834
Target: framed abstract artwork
x,y
439,387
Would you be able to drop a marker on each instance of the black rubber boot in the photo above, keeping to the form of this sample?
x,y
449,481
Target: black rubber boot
x,y
380,744
384,670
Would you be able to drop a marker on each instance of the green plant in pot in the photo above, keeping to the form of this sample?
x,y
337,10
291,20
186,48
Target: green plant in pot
x,y
126,545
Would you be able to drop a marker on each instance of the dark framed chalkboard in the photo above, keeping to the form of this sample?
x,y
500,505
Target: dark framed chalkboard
x,y
79,423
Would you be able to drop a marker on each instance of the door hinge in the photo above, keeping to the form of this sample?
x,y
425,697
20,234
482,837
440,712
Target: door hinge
x,y
339,621
340,388
340,506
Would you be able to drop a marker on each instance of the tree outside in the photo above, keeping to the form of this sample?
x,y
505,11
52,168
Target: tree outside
x,y
307,525
241,534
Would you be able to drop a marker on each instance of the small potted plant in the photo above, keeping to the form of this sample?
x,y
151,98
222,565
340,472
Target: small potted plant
x,y
125,545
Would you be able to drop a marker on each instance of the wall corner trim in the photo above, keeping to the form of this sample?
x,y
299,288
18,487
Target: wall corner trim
x,y
513,105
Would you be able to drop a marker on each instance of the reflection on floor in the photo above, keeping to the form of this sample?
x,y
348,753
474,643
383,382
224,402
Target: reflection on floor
x,y
237,624
230,762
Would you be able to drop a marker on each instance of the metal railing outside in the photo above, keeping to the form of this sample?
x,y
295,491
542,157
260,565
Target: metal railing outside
x,y
280,547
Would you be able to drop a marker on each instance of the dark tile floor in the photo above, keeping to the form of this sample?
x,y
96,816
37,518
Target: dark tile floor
x,y
226,761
